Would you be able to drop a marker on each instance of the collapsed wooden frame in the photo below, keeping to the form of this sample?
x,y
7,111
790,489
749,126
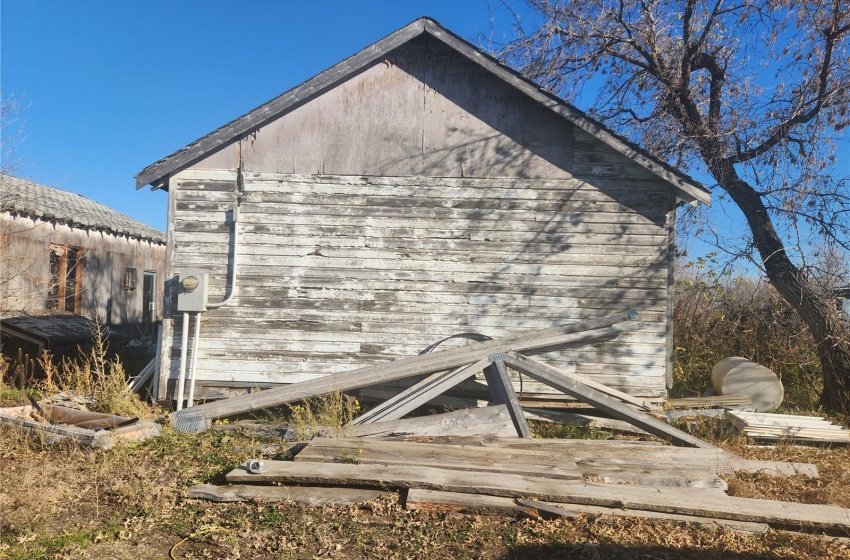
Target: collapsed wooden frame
x,y
447,368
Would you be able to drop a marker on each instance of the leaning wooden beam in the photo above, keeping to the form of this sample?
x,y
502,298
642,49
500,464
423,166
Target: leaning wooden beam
x,y
684,501
306,495
419,394
200,417
502,392
553,377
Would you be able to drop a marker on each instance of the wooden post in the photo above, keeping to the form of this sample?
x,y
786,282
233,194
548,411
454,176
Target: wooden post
x,y
502,392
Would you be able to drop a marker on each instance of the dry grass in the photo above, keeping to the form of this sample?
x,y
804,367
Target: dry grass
x,y
332,411
66,502
93,374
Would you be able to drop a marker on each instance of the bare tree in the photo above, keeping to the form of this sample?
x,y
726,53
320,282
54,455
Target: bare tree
x,y
752,93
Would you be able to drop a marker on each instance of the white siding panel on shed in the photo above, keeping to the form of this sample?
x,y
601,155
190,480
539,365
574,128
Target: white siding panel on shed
x,y
384,266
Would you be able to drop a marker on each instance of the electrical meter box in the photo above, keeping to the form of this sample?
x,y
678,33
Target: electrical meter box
x,y
192,291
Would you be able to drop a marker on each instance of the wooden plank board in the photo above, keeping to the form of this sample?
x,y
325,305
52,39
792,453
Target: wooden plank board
x,y
722,462
433,500
199,418
306,495
420,394
552,377
782,426
514,461
737,401
685,501
490,421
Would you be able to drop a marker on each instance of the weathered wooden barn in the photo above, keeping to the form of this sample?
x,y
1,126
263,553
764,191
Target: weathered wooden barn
x,y
416,190
63,253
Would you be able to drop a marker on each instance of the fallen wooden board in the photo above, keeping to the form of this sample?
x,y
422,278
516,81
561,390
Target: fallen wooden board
x,y
812,429
684,501
722,462
553,377
433,500
492,421
713,401
306,495
533,460
529,462
651,473
199,418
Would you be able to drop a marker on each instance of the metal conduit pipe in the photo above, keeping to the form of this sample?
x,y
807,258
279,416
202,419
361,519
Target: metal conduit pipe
x,y
181,380
195,339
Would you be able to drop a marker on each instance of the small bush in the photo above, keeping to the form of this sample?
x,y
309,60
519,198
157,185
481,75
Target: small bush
x,y
333,410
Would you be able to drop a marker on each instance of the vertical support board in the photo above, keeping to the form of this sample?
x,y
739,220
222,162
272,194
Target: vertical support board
x,y
502,392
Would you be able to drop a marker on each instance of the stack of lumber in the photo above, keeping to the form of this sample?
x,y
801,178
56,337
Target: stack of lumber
x,y
813,429
536,476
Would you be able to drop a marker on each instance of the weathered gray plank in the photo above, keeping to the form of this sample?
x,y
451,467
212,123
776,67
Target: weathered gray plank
x,y
624,451
433,500
199,417
528,462
419,394
684,501
490,421
306,495
551,376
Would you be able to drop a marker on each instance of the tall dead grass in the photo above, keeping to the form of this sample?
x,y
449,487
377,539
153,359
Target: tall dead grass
x,y
94,376
334,411
715,318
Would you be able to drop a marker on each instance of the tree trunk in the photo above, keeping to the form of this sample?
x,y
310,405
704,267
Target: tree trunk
x,y
818,310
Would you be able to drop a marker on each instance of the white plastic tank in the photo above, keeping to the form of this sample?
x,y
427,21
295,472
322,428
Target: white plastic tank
x,y
740,376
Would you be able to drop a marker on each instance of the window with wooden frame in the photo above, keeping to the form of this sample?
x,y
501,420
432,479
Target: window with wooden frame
x,y
66,278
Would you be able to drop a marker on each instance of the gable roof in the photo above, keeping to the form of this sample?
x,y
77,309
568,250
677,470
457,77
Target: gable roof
x,y
157,173
26,198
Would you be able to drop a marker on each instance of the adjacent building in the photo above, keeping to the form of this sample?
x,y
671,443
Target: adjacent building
x,y
63,254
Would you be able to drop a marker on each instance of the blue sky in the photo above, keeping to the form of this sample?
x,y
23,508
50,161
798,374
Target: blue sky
x,y
112,86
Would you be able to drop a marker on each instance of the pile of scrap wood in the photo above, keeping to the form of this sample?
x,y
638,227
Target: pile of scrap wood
x,y
485,460
446,369
486,475
92,429
787,427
